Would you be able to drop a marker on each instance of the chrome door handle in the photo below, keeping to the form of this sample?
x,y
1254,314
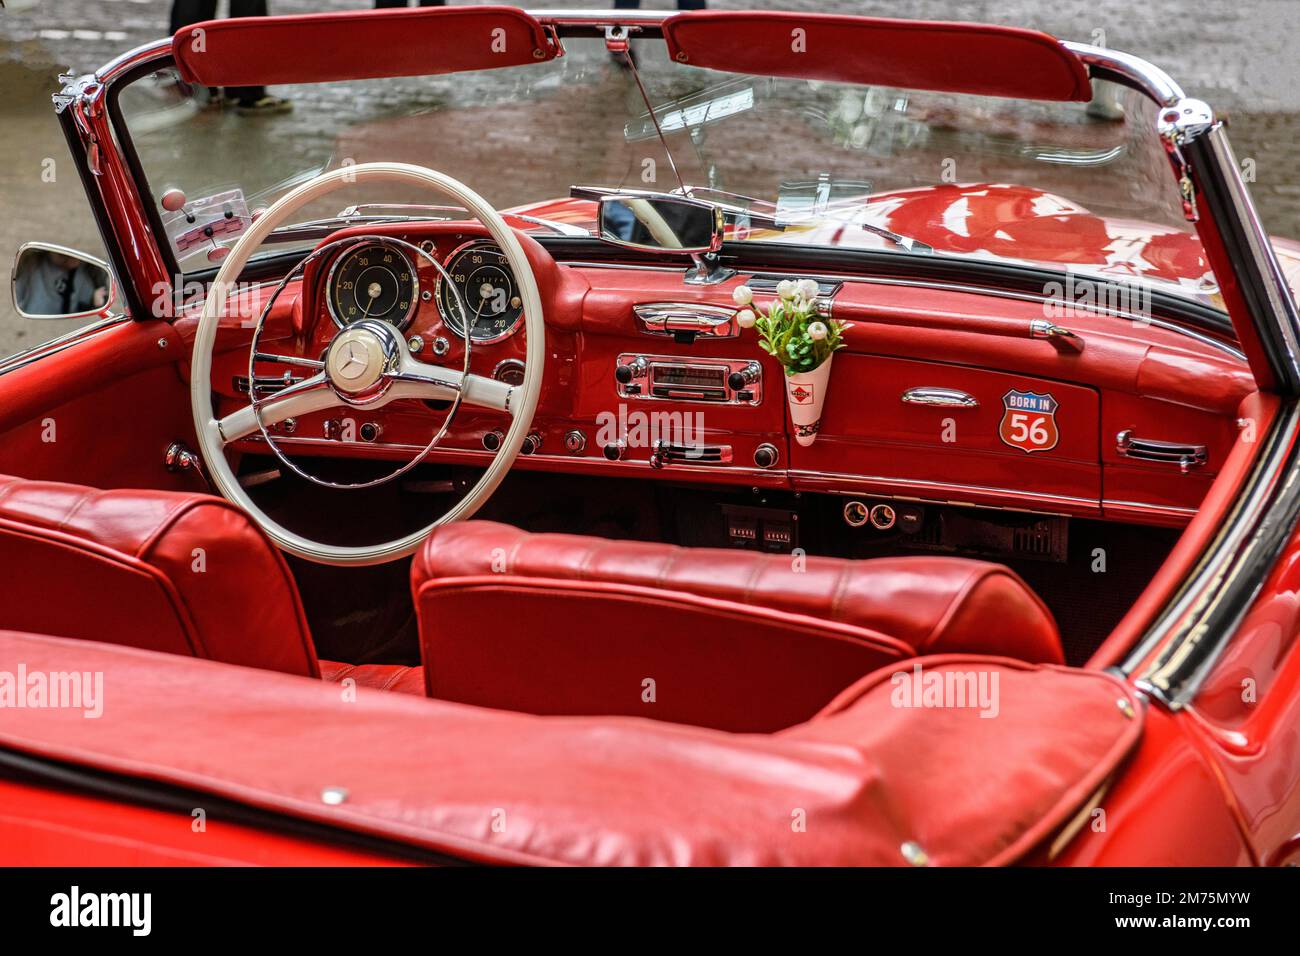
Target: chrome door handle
x,y
690,318
940,397
1146,449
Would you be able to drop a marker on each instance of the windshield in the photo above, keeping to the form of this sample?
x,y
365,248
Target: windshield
x,y
1077,188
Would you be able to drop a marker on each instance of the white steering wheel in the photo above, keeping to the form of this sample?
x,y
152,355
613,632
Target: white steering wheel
x,y
373,369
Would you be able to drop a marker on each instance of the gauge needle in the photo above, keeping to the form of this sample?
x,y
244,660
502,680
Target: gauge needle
x,y
373,290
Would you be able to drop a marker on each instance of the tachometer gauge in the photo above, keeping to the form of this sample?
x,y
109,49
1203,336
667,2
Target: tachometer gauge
x,y
488,289
372,280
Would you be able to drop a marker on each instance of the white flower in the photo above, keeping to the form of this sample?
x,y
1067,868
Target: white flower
x,y
746,318
787,289
808,289
817,331
743,295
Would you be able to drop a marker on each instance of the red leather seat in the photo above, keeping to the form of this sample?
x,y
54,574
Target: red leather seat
x,y
164,571
737,640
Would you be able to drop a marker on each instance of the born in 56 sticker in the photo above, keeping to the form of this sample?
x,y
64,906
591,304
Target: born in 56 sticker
x,y
1029,421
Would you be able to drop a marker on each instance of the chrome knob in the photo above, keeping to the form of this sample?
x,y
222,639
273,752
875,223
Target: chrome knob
x,y
492,440
531,444
616,450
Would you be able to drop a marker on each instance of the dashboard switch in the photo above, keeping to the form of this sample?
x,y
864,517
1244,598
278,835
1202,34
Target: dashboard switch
x,y
765,455
616,450
531,444
492,440
575,442
370,431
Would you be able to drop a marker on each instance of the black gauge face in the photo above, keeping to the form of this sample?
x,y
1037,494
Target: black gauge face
x,y
372,280
488,289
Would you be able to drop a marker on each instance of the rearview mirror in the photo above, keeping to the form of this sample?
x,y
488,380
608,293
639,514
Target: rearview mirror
x,y
55,282
661,223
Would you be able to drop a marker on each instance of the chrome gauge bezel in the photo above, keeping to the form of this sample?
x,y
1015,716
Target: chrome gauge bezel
x,y
361,244
448,321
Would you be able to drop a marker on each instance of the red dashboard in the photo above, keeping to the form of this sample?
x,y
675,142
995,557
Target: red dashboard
x,y
943,393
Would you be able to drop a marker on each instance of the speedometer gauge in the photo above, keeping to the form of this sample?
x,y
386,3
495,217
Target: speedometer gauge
x,y
372,280
488,290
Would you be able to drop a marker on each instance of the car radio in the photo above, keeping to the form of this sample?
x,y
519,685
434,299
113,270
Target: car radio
x,y
671,378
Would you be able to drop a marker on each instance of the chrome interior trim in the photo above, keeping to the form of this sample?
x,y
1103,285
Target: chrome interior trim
x,y
1201,619
939,397
67,340
695,318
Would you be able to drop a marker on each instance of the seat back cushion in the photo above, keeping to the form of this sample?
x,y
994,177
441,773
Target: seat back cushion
x,y
550,646
165,571
735,640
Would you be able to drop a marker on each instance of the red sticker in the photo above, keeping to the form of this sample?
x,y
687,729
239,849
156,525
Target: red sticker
x,y
1029,421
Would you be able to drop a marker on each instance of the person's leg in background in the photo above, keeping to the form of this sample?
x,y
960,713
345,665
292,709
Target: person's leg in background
x,y
185,12
254,99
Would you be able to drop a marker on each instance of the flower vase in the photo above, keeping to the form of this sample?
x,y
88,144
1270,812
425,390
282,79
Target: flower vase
x,y
804,393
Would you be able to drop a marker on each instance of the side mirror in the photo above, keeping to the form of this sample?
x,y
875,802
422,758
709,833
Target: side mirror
x,y
55,282
661,223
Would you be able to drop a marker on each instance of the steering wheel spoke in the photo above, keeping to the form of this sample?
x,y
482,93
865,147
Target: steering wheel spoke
x,y
302,398
415,379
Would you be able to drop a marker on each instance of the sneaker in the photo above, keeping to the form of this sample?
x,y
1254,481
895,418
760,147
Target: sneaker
x,y
266,105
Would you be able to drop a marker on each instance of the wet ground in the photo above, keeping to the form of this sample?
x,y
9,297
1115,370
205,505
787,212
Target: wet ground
x,y
1239,55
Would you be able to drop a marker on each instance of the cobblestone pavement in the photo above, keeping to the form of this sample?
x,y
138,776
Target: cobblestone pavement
x,y
1237,54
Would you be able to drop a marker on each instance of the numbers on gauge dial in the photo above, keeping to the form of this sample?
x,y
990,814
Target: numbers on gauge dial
x,y
372,280
487,288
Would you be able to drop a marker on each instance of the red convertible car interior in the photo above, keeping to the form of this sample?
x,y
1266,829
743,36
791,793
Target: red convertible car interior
x,y
459,506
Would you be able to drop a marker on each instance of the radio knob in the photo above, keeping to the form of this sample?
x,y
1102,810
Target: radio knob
x,y
630,370
765,455
616,450
745,376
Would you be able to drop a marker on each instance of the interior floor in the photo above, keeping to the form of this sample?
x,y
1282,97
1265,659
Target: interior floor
x,y
1087,572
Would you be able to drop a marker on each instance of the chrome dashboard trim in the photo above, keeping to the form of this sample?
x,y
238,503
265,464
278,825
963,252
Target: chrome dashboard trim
x,y
939,397
695,318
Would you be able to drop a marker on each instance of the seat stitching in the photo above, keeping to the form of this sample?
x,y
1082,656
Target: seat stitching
x,y
86,495
756,568
838,595
667,565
